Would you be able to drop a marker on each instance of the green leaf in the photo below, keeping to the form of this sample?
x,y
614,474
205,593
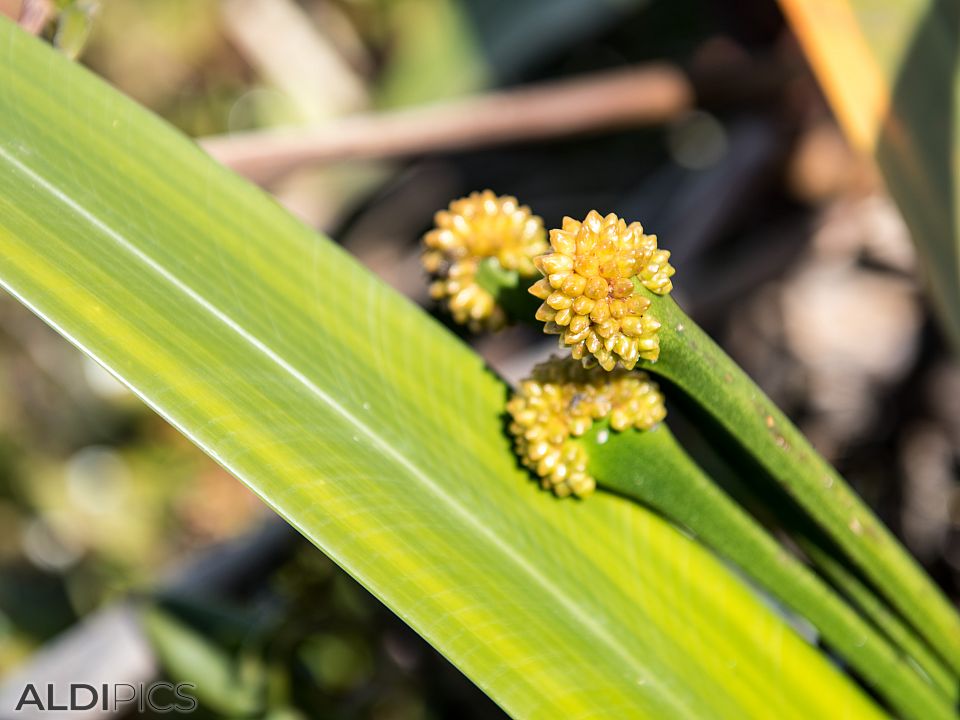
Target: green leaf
x,y
223,682
892,73
366,425
695,365
74,25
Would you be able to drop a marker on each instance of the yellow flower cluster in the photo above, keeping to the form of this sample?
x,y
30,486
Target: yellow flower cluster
x,y
471,230
561,402
588,292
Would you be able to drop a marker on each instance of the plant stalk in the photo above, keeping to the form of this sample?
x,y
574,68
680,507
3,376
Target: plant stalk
x,y
874,608
701,370
652,468
779,514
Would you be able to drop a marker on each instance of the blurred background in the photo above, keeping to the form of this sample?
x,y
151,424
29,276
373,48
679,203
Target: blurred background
x,y
700,119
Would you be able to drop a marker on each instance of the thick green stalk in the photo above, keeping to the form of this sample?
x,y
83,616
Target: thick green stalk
x,y
652,467
509,288
889,623
778,513
699,368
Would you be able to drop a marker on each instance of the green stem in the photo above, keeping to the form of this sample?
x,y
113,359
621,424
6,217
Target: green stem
x,y
509,289
778,513
700,369
652,468
889,623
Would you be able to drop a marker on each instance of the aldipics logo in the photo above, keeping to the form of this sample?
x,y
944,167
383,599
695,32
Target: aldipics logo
x,y
159,697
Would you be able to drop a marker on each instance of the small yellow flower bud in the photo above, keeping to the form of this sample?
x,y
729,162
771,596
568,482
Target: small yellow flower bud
x,y
471,230
589,277
561,402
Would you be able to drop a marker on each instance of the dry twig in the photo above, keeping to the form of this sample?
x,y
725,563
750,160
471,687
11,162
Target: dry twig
x,y
31,15
622,98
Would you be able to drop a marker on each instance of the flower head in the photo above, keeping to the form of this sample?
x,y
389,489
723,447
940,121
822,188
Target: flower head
x,y
589,292
476,229
561,402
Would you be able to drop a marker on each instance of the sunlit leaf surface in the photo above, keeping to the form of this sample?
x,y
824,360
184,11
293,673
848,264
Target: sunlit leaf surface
x,y
365,424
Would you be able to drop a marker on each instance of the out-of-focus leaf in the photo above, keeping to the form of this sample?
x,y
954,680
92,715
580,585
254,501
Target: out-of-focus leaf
x,y
515,36
223,683
890,69
433,54
74,25
442,48
366,425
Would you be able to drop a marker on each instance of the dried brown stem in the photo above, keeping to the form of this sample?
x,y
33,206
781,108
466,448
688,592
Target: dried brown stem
x,y
35,14
622,98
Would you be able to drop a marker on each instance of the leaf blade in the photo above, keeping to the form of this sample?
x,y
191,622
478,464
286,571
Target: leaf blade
x,y
333,398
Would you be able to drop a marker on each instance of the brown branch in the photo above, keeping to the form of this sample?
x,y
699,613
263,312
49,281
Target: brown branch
x,y
622,98
35,14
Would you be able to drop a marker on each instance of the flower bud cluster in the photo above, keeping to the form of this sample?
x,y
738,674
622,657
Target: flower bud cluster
x,y
560,403
589,292
470,231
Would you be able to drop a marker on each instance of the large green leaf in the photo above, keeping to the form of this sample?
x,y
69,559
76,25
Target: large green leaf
x,y
366,425
891,69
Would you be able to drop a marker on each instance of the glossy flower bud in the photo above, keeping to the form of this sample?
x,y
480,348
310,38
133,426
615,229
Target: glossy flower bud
x,y
472,230
589,290
561,402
